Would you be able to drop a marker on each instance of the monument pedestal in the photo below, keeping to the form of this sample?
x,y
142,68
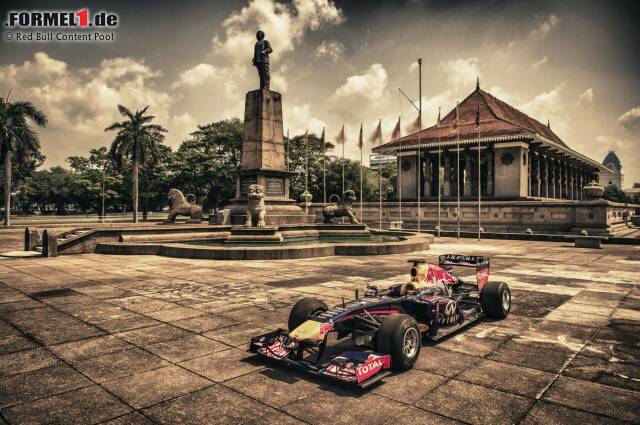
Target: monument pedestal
x,y
264,163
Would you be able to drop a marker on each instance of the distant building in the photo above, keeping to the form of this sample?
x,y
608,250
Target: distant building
x,y
520,158
614,176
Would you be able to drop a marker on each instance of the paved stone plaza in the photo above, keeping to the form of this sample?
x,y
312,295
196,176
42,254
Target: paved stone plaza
x,y
145,339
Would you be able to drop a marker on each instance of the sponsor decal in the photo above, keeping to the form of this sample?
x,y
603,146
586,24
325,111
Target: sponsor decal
x,y
372,366
482,277
450,313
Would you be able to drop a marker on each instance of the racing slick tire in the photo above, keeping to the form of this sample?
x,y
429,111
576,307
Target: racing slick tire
x,y
302,311
496,300
400,337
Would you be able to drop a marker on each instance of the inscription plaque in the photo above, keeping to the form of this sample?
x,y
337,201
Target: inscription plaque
x,y
274,186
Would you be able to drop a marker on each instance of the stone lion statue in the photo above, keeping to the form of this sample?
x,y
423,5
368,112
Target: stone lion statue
x,y
256,211
340,207
180,206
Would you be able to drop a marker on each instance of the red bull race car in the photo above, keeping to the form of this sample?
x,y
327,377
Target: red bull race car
x,y
386,325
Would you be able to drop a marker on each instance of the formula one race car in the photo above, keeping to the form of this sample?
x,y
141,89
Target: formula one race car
x,y
433,303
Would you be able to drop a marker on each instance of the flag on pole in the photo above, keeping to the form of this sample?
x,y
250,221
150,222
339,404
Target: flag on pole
x,y
340,139
395,134
361,146
376,136
414,126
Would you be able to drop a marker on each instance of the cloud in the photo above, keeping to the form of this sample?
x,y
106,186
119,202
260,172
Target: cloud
x,y
631,118
548,106
462,72
283,24
587,96
544,28
195,76
299,120
544,104
81,102
537,64
330,49
370,86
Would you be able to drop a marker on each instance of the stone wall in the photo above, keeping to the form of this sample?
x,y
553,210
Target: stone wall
x,y
596,217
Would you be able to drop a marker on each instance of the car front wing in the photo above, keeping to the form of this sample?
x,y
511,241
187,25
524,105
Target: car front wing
x,y
359,368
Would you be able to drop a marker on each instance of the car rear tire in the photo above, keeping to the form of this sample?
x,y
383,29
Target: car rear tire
x,y
496,300
303,310
400,337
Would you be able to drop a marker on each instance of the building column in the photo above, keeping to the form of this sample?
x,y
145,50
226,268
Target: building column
x,y
552,178
560,192
490,158
566,181
447,173
544,178
467,173
455,175
574,182
426,180
536,174
436,175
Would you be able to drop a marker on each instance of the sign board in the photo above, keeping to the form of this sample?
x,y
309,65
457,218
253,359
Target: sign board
x,y
274,186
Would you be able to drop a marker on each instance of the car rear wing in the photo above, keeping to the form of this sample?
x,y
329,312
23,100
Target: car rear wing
x,y
480,263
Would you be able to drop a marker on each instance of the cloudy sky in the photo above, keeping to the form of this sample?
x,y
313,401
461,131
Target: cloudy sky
x,y
573,62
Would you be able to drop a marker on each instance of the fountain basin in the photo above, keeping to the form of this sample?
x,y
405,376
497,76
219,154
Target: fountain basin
x,y
290,248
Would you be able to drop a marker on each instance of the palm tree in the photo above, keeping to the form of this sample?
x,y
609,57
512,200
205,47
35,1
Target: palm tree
x,y
17,137
136,140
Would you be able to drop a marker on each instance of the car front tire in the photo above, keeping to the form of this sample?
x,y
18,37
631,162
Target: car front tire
x,y
400,337
303,310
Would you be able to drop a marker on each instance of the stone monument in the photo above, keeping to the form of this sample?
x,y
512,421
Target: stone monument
x,y
263,152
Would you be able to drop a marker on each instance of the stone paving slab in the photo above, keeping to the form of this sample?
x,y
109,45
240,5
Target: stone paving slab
x,y
157,340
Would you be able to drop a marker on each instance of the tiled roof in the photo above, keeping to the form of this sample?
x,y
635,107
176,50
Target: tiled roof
x,y
497,120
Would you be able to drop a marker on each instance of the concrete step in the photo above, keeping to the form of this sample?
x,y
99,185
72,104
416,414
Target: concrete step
x,y
38,249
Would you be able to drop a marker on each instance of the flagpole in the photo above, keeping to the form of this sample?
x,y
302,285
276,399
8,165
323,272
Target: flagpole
x,y
419,162
380,173
439,159
399,173
306,154
361,143
458,167
306,172
343,143
324,168
479,169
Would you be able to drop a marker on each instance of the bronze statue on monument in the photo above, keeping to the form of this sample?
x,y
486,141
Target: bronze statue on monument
x,y
261,53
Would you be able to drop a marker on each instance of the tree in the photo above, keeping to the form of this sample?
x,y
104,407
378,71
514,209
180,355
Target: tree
x,y
298,164
98,183
206,164
18,139
615,194
56,186
155,181
136,140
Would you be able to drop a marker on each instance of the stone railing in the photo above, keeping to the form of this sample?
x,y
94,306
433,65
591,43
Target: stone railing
x,y
598,217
